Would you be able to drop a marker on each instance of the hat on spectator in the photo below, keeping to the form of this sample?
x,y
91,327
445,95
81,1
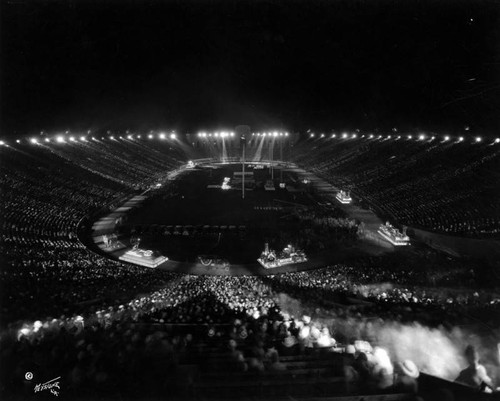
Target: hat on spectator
x,y
408,368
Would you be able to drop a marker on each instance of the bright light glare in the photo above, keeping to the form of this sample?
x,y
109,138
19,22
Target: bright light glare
x,y
478,139
47,140
497,140
33,140
354,136
162,136
446,138
275,133
150,136
111,137
18,141
286,133
82,138
72,138
409,136
460,139
172,136
129,136
421,137
344,135
2,143
60,139
371,136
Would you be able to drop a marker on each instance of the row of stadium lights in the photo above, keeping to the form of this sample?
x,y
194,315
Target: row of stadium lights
x,y
63,139
231,134
271,134
420,137
163,136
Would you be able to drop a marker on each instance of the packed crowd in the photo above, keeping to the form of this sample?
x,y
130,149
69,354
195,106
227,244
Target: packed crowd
x,y
251,322
66,309
448,188
44,197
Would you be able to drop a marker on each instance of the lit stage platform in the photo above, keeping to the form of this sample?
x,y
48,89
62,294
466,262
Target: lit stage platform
x,y
344,197
269,259
393,235
143,258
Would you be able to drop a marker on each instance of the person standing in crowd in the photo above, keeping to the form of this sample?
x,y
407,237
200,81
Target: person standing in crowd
x,y
475,374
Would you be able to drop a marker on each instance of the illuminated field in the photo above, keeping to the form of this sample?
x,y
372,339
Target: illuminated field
x,y
193,216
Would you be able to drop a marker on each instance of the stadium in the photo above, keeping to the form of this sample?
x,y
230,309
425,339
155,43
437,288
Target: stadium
x,y
250,200
82,230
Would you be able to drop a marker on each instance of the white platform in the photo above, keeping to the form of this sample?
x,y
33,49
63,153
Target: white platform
x,y
143,258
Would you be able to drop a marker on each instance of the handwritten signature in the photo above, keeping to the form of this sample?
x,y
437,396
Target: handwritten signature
x,y
51,385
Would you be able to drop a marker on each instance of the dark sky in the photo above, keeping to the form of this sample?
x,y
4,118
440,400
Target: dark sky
x,y
211,64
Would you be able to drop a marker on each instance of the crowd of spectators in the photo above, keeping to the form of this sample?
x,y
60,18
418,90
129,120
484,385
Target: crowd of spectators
x,y
243,319
67,309
444,187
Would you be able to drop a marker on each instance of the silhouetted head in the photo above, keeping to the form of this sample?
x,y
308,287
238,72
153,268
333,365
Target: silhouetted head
x,y
471,355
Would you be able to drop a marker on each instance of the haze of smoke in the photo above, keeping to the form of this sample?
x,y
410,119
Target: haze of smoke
x,y
436,351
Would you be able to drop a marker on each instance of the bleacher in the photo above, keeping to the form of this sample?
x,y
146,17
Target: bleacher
x,y
448,188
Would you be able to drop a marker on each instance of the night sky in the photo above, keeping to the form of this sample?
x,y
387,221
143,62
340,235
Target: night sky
x,y
209,64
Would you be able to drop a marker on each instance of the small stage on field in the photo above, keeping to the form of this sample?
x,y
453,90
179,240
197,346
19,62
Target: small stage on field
x,y
143,257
